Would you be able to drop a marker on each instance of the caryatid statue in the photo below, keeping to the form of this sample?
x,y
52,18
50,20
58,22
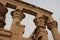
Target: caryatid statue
x,y
52,26
17,28
41,22
3,11
41,25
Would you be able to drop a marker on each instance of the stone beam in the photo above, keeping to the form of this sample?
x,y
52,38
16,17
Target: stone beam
x,y
25,6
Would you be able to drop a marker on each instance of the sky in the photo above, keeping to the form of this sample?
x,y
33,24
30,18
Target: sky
x,y
51,5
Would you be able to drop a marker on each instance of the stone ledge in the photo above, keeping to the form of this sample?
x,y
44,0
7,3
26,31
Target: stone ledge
x,y
5,33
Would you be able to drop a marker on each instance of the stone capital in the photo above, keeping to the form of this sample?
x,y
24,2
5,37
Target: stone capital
x,y
17,13
41,21
52,25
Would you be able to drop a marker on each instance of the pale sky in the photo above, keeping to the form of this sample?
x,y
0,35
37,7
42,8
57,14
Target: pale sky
x,y
51,5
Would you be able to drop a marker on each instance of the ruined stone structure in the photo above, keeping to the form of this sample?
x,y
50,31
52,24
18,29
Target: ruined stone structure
x,y
42,19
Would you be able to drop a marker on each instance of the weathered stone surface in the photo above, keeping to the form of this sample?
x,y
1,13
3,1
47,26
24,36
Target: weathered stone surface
x,y
42,18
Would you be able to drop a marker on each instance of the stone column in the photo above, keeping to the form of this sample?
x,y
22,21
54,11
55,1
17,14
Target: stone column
x,y
41,27
3,11
16,28
52,26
